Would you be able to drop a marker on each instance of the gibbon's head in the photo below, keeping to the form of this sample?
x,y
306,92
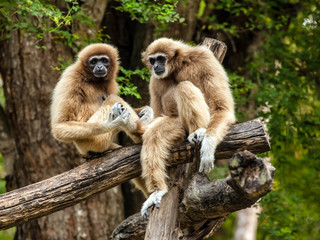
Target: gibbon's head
x,y
163,56
99,61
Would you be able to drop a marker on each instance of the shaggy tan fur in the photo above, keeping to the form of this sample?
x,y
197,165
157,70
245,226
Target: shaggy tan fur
x,y
194,94
81,102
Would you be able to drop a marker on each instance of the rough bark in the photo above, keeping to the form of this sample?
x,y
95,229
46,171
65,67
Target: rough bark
x,y
205,205
32,153
97,175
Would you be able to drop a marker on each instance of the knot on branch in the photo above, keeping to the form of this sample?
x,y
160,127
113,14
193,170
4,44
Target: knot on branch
x,y
251,174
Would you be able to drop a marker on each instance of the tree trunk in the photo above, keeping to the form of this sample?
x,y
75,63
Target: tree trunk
x,y
247,223
28,84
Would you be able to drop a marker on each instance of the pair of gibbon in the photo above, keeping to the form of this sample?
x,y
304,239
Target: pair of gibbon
x,y
190,96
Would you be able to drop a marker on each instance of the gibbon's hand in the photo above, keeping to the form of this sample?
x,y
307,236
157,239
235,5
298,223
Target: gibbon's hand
x,y
153,199
117,117
208,148
146,115
117,109
197,136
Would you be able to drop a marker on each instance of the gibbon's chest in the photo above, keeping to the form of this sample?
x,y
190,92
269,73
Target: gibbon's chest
x,y
90,103
169,102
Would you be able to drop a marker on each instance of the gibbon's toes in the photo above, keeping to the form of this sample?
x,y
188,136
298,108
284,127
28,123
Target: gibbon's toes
x,y
154,199
197,136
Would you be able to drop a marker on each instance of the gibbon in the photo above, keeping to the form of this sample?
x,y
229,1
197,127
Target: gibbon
x,y
85,107
190,96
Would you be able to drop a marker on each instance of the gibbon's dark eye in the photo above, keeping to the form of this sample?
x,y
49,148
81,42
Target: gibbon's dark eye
x,y
161,59
152,61
104,60
93,61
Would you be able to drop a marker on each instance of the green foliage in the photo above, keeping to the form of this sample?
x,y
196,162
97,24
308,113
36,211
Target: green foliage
x,y
62,65
47,18
39,18
156,11
160,13
126,87
7,234
289,93
2,99
241,89
258,15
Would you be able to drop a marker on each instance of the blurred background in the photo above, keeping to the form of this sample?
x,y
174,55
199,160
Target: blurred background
x,y
273,62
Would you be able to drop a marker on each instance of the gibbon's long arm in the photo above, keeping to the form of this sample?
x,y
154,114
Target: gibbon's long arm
x,y
193,110
75,131
221,107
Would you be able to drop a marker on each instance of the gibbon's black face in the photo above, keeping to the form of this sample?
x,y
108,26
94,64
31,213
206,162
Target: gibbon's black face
x,y
99,65
158,62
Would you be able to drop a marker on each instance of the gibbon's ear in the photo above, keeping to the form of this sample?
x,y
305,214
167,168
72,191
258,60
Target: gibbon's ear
x,y
178,57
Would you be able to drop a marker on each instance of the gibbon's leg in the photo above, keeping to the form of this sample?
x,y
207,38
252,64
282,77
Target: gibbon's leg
x,y
162,134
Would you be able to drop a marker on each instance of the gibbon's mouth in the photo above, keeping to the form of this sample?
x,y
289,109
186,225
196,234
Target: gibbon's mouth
x,y
100,74
159,72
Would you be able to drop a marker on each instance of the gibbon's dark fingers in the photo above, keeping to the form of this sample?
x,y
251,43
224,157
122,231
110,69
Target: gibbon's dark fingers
x,y
197,136
119,121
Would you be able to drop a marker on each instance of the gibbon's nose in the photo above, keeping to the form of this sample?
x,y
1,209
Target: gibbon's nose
x,y
99,67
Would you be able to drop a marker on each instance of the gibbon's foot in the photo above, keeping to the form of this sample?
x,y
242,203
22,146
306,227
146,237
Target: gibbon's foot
x,y
146,115
154,199
115,119
208,148
117,109
197,136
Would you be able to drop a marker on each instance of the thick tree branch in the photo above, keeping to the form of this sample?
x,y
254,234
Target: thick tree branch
x,y
118,166
205,205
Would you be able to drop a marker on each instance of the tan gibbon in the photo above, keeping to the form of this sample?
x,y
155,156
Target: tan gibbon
x,y
190,96
85,107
